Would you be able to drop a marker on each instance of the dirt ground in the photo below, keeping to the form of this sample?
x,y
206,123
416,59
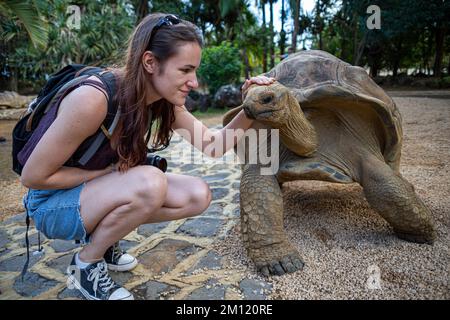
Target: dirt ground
x,y
343,242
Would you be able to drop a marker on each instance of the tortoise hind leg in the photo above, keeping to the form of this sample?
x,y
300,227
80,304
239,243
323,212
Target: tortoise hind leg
x,y
394,198
262,224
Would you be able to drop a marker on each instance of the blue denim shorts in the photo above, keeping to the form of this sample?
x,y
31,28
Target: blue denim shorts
x,y
56,213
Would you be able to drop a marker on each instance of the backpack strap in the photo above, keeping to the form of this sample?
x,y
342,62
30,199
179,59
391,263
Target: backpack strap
x,y
62,92
84,70
27,242
50,89
149,132
109,81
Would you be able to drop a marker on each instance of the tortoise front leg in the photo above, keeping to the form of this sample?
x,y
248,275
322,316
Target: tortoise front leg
x,y
394,198
262,224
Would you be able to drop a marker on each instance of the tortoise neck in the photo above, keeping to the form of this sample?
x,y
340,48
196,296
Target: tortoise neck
x,y
298,134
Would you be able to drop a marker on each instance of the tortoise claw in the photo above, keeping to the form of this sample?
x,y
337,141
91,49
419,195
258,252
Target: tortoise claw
x,y
286,264
277,268
264,270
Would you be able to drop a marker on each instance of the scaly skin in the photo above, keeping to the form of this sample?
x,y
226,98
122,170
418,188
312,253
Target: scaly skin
x,y
395,200
262,224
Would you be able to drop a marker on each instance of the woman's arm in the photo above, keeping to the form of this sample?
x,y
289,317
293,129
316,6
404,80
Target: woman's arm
x,y
212,143
65,178
215,143
81,114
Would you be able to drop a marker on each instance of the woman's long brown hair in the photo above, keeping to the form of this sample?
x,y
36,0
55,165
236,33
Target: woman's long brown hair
x,y
135,121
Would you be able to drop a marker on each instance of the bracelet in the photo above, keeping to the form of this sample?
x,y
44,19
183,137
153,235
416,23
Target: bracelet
x,y
113,168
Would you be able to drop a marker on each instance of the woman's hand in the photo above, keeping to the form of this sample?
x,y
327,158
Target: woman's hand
x,y
260,80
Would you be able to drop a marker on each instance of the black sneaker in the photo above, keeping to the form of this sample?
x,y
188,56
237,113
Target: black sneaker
x,y
119,260
95,283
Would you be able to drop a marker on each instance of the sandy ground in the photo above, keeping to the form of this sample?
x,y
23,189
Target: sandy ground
x,y
349,251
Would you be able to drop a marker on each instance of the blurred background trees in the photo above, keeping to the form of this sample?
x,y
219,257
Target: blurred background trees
x,y
242,37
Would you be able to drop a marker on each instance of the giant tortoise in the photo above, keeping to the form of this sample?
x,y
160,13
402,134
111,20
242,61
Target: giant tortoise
x,y
335,124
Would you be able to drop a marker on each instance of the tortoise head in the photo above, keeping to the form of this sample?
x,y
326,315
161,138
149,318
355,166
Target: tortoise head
x,y
276,106
268,104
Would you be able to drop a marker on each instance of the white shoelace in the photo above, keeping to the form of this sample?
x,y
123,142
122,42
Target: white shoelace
x,y
101,277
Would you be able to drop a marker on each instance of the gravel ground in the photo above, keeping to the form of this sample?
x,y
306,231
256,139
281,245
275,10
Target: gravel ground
x,y
349,251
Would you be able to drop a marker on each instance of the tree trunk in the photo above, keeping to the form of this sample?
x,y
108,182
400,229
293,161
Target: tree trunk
x,y
272,45
355,40
10,83
141,10
296,25
263,7
440,35
374,57
282,32
320,40
247,69
429,49
318,23
395,68
360,50
423,52
240,36
344,53
448,67
397,57
374,69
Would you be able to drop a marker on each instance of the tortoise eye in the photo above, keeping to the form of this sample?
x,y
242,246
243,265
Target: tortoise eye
x,y
267,99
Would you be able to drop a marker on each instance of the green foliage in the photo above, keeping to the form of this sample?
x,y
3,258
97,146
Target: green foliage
x,y
211,112
444,82
407,38
220,65
100,40
35,39
168,6
27,13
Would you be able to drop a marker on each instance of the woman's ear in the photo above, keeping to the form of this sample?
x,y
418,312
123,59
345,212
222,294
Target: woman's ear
x,y
149,62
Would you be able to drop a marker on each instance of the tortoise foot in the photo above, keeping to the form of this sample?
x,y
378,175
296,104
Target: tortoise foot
x,y
277,259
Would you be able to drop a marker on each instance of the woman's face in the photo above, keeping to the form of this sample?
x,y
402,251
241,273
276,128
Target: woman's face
x,y
177,76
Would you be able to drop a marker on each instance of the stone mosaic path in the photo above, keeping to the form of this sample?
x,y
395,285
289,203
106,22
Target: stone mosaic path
x,y
176,258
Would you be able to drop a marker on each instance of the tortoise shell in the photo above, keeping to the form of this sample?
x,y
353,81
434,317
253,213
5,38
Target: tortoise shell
x,y
317,79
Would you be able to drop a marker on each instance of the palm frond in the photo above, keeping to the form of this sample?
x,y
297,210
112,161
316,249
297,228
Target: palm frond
x,y
29,16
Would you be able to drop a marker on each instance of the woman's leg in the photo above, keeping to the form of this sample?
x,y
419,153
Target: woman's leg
x,y
186,197
115,204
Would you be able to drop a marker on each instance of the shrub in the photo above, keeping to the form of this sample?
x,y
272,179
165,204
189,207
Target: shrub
x,y
445,82
220,65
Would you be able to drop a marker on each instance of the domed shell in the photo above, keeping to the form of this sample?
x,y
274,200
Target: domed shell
x,y
315,76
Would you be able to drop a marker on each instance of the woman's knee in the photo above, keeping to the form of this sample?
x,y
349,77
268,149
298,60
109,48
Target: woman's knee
x,y
150,186
201,195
